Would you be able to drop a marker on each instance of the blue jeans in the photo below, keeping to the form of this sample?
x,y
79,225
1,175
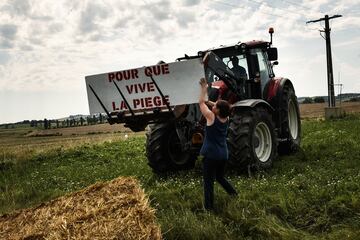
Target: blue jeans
x,y
214,170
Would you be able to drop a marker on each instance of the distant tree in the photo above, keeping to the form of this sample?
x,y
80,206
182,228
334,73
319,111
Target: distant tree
x,y
6,126
101,118
33,123
46,122
308,100
94,119
57,123
319,100
354,99
82,121
67,123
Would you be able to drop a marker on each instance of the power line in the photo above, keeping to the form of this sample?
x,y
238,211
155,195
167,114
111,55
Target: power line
x,y
236,6
261,11
287,10
300,5
266,13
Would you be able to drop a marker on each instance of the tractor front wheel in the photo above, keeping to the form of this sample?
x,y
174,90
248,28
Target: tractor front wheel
x,y
163,149
251,139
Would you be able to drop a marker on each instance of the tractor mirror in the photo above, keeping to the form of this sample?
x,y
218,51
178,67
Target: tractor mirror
x,y
272,54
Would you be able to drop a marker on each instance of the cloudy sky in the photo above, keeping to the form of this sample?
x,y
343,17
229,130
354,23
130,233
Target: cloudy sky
x,y
48,47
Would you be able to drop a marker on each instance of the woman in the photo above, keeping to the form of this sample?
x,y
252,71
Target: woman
x,y
214,148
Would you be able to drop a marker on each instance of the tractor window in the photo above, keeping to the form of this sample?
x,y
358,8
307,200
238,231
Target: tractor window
x,y
263,67
241,62
238,65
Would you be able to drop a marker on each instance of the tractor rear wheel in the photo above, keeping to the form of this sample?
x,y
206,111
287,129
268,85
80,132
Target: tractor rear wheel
x,y
251,139
290,122
163,149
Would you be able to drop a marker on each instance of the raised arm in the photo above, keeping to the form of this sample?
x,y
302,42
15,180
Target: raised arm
x,y
209,115
210,103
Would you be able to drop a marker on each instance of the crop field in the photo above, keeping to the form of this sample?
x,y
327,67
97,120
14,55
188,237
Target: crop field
x,y
316,110
314,194
21,142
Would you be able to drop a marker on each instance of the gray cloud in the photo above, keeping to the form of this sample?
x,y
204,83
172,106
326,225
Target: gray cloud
x,y
55,27
4,57
89,16
150,30
23,8
72,4
6,44
122,22
95,37
35,41
8,31
41,18
160,11
184,18
147,24
24,47
191,2
7,35
18,7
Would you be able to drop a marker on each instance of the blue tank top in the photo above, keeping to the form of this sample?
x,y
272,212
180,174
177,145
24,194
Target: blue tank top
x,y
214,145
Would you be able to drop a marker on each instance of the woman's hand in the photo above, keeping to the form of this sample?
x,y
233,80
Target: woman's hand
x,y
203,83
209,115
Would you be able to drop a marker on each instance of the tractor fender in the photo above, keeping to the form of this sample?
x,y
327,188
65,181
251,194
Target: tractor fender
x,y
273,93
251,103
274,87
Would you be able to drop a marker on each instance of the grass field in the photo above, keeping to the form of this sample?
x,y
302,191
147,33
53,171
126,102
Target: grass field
x,y
314,194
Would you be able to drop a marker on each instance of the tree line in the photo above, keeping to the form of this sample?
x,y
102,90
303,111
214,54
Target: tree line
x,y
314,100
55,123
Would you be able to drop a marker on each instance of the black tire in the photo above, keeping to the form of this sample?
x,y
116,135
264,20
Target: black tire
x,y
243,141
289,116
163,149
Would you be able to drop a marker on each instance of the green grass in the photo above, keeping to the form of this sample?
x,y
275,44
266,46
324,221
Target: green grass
x,y
314,194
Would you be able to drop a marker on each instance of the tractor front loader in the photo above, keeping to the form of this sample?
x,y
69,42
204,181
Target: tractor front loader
x,y
265,117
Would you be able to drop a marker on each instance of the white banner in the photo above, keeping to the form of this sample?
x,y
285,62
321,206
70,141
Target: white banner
x,y
178,81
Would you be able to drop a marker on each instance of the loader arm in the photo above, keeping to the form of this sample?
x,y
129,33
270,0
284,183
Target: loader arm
x,y
215,66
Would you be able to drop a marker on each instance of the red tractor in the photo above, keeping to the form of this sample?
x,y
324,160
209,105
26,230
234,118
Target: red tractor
x,y
265,117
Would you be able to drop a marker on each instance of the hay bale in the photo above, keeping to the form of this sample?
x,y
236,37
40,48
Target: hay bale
x,y
117,209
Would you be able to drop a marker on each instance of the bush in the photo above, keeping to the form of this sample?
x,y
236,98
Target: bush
x,y
308,100
319,100
354,99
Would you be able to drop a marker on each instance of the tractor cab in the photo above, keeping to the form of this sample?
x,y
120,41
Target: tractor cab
x,y
251,65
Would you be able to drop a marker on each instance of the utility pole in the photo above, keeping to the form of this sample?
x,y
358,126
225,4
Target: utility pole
x,y
330,76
